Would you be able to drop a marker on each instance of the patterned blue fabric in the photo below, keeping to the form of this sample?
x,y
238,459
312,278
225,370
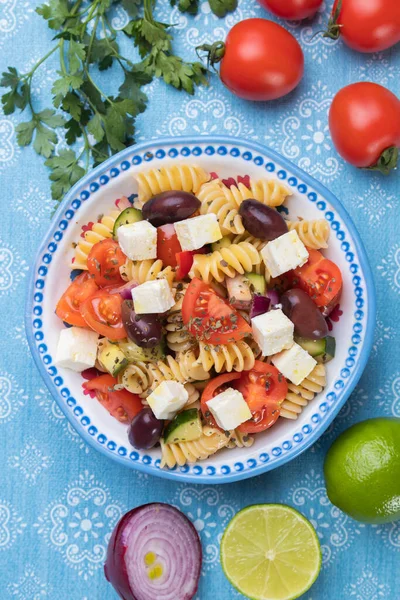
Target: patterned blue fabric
x,y
59,500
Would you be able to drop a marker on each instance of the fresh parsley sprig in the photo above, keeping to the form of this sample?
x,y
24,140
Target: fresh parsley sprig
x,y
82,112
219,7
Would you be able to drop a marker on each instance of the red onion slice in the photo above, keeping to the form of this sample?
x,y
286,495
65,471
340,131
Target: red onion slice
x,y
273,296
125,291
123,203
260,306
154,553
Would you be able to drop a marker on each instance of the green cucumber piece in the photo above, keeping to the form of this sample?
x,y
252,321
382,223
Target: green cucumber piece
x,y
127,217
224,242
185,427
257,283
113,359
135,353
322,350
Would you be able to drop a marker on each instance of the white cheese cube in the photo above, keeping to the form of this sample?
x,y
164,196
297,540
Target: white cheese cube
x,y
167,399
138,240
295,364
229,409
196,232
77,349
273,331
284,253
152,297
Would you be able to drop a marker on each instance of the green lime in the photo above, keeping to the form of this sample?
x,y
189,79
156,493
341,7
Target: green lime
x,y
270,552
362,471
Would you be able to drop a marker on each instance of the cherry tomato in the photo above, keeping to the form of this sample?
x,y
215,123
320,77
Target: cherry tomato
x,y
260,60
68,307
321,279
209,317
104,261
184,261
364,122
293,10
168,245
215,386
365,25
121,404
102,313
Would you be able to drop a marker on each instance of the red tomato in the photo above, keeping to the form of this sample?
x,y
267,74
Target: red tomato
x,y
68,307
184,261
264,388
260,60
168,245
366,25
321,279
102,313
293,10
121,404
104,261
209,317
364,121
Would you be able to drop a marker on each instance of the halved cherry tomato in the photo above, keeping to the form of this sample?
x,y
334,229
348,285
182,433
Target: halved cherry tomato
x,y
121,404
68,307
321,279
216,386
168,245
102,313
184,261
209,317
264,388
104,261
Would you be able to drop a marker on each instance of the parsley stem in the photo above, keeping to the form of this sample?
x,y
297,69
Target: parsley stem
x,y
42,60
92,37
94,84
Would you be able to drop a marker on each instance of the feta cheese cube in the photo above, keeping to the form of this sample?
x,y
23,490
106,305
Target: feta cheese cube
x,y
273,331
295,364
229,409
167,399
152,297
138,240
284,253
77,349
196,232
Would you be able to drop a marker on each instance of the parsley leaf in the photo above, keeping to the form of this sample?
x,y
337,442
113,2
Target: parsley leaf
x,y
222,7
189,6
65,172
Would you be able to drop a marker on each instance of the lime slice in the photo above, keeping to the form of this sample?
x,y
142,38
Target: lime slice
x,y
270,552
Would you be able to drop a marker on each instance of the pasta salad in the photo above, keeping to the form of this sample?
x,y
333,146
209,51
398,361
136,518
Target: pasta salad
x,y
197,313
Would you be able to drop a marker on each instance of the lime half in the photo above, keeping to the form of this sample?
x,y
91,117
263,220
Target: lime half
x,y
270,552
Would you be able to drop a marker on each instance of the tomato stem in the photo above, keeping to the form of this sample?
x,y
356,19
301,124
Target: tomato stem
x,y
214,52
333,29
387,161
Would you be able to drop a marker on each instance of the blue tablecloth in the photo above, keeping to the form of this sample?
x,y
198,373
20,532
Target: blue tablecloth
x,y
59,499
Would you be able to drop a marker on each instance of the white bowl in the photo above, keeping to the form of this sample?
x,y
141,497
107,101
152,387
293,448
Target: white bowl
x,y
95,194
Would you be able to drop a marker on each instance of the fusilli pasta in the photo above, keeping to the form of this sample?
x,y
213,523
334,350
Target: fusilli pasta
x,y
181,453
258,245
240,440
268,191
214,200
101,230
299,396
181,368
188,178
237,356
238,258
178,337
136,378
314,234
146,270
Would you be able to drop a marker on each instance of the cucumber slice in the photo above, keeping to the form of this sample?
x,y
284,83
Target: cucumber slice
x,y
113,359
127,217
224,242
257,283
185,427
135,353
322,350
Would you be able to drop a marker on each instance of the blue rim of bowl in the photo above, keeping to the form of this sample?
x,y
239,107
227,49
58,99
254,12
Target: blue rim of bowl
x,y
252,469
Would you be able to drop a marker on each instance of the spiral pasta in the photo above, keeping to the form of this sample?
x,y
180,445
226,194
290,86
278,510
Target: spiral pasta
x,y
237,356
146,270
136,378
240,440
314,234
181,368
188,178
299,396
268,191
258,244
178,337
181,453
213,198
238,258
101,230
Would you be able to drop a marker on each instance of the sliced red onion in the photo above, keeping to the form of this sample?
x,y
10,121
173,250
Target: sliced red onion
x,y
123,203
125,291
154,553
260,306
273,296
